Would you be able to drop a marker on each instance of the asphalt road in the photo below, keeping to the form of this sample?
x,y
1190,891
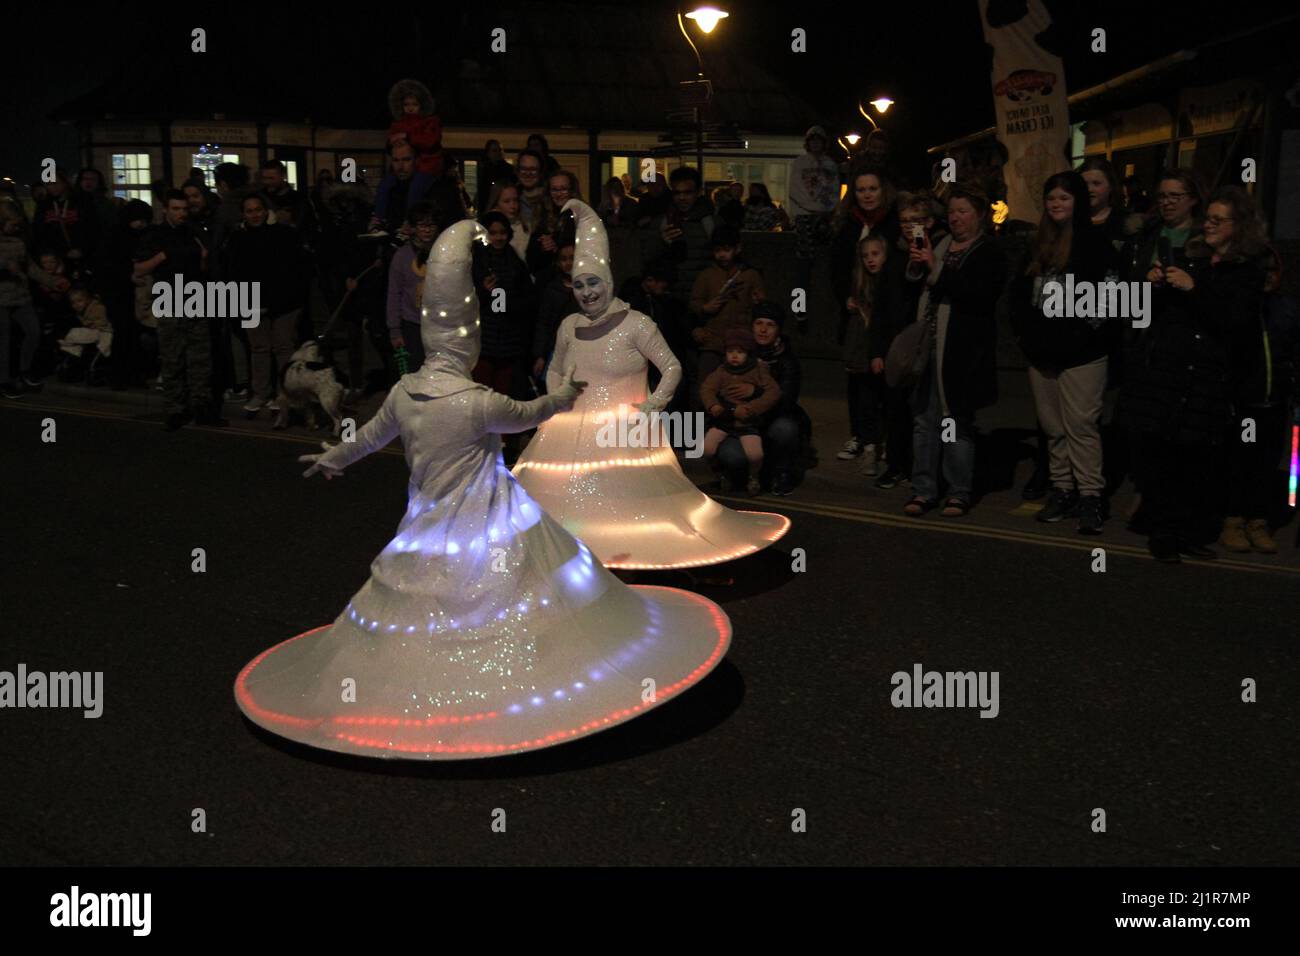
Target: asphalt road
x,y
1118,690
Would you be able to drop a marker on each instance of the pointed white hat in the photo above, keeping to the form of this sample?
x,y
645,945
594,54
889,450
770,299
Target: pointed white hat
x,y
449,325
591,244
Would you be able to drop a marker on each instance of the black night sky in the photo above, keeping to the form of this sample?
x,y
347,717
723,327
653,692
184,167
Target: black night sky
x,y
931,60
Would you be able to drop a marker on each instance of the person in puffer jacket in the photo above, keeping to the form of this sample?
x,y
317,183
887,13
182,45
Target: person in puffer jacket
x,y
416,122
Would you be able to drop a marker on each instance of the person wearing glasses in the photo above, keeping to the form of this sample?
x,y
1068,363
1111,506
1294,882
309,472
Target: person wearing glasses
x,y
1177,399
532,188
1179,206
552,226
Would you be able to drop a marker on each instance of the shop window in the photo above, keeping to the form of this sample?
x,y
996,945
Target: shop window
x,y
131,176
209,161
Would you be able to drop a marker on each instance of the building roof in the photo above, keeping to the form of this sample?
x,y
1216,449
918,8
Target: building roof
x,y
588,65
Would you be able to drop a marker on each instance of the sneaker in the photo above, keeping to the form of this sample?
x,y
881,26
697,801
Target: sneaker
x,y
1260,539
783,484
12,390
273,405
1234,535
753,486
255,405
890,479
175,420
209,418
29,383
869,465
852,449
1164,550
1036,486
237,395
1060,505
1090,516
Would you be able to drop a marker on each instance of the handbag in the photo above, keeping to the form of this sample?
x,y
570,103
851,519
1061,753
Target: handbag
x,y
908,355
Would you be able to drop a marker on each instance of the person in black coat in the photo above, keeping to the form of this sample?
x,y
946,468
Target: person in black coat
x,y
1068,354
964,277
1178,391
917,225
786,426
651,294
507,328
272,255
868,209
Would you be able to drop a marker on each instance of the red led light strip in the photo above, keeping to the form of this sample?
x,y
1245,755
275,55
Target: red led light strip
x,y
720,623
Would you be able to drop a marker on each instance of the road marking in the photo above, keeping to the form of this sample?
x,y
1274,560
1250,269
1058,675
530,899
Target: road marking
x,y
950,526
230,430
860,515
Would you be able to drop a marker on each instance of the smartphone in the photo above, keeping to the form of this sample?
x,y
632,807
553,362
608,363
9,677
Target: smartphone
x,y
918,236
1164,252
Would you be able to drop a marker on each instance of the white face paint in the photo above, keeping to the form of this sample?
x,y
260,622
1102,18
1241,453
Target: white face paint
x,y
592,293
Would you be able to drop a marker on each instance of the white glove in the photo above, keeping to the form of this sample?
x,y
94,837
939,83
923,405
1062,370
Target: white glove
x,y
318,465
569,390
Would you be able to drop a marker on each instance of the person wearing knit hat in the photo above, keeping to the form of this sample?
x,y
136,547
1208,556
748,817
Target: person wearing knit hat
x,y
787,428
606,470
736,396
485,628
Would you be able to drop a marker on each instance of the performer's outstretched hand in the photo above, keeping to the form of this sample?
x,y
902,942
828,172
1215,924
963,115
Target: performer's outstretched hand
x,y
323,467
569,390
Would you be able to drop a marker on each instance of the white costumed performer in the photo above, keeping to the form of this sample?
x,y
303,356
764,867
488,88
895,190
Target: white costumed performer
x,y
633,506
485,628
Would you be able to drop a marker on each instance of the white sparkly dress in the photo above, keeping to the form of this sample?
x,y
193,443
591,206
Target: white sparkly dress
x,y
633,506
485,628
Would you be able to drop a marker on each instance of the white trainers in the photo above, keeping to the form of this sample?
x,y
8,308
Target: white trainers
x,y
273,405
852,448
255,404
870,465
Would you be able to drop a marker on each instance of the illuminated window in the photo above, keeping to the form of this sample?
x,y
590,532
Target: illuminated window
x,y
208,161
131,176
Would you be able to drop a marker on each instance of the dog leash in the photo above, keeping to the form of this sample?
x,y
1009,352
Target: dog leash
x,y
338,312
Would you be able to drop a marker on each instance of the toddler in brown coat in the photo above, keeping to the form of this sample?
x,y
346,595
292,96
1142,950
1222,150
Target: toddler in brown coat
x,y
736,395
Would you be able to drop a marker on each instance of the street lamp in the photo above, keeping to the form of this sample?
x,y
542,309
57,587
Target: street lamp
x,y
706,18
852,138
881,103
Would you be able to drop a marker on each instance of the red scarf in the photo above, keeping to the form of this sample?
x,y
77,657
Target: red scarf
x,y
869,219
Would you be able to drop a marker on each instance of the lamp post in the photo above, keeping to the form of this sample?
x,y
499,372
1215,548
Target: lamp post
x,y
882,105
706,18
